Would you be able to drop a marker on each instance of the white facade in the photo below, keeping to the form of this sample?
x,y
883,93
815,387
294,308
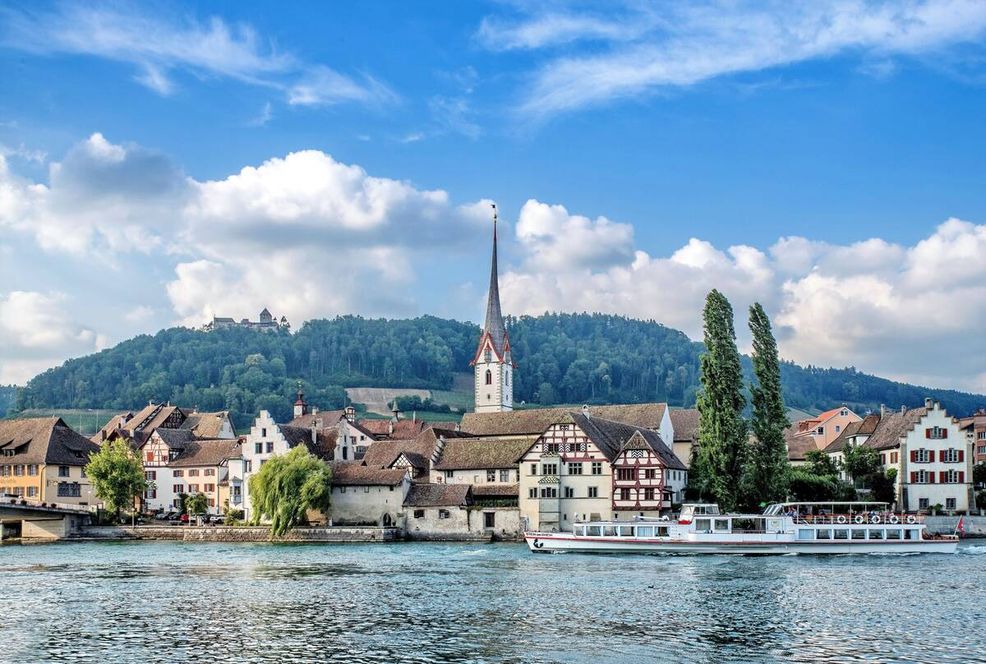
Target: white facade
x,y
369,504
474,476
494,381
264,441
934,464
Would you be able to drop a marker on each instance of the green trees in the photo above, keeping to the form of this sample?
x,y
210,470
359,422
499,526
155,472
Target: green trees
x,y
722,429
768,466
819,479
287,487
197,504
117,475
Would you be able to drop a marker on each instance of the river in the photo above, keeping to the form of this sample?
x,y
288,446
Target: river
x,y
175,602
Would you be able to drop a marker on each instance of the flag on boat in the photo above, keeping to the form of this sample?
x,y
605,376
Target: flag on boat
x,y
960,526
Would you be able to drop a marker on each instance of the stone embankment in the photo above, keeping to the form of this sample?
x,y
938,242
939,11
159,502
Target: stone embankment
x,y
974,526
239,534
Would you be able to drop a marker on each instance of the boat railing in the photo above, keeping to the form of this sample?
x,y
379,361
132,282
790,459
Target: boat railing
x,y
859,518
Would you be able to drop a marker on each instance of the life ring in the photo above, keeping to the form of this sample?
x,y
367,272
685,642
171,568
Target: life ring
x,y
893,519
910,518
875,519
859,518
841,519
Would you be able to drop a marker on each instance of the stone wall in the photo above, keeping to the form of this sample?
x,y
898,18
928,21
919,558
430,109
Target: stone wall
x,y
450,524
974,526
241,534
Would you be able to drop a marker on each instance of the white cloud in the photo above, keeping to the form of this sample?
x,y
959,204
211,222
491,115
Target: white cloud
x,y
158,46
674,44
36,333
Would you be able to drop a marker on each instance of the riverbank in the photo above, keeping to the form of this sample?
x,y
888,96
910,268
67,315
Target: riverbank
x,y
367,534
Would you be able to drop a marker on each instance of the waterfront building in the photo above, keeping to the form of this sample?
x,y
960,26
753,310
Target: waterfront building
x,y
975,430
684,425
364,495
532,422
492,364
178,464
42,459
586,467
137,427
459,511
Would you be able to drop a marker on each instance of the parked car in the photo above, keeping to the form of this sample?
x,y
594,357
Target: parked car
x,y
184,518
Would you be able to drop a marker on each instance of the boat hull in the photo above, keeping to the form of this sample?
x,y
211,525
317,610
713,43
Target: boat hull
x,y
560,542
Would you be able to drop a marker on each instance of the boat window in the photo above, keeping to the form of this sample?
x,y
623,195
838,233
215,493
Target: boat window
x,y
893,533
876,533
645,531
841,533
858,533
722,524
663,531
595,531
912,534
823,533
703,525
806,533
609,531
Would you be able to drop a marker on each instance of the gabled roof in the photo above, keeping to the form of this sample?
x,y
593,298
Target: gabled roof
x,y
534,421
481,453
173,438
495,490
798,446
612,438
684,421
44,440
863,427
438,495
328,418
893,426
206,425
356,474
207,452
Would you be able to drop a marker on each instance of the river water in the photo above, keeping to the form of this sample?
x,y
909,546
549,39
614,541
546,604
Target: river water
x,y
176,602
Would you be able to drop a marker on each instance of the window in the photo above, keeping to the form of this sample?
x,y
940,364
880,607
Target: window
x,y
838,428
923,503
625,494
649,493
150,475
194,472
263,433
345,453
920,477
366,489
150,456
443,514
258,448
150,494
982,435
593,492
549,468
449,474
952,477
193,488
179,473
178,488
504,475
597,467
951,455
270,446
921,456
534,469
419,514
569,492
491,476
342,489
63,471
549,492
32,469
650,473
936,433
820,431
575,469
487,355
626,474
209,472
69,490
489,519
843,412
950,503
552,448
532,492
32,491
209,488
489,376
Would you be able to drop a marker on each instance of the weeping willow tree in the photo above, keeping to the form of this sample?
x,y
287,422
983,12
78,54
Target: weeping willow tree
x,y
289,485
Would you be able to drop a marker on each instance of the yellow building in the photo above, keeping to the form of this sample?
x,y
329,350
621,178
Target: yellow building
x,y
42,459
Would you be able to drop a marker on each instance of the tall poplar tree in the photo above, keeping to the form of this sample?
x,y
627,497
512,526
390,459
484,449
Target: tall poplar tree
x,y
722,430
767,471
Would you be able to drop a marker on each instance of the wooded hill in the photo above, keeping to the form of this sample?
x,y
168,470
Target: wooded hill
x,y
561,358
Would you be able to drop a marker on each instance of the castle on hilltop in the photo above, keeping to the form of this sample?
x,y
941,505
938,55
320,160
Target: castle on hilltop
x,y
267,322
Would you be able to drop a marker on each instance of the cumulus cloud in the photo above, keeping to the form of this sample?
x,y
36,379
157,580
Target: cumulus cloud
x,y
36,333
644,47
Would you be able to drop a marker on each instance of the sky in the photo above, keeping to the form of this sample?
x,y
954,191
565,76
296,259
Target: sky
x,y
161,163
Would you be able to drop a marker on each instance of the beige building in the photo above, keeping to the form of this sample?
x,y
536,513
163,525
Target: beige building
x,y
177,464
363,495
42,459
684,423
458,512
821,430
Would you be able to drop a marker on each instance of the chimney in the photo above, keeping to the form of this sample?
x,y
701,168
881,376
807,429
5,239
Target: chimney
x,y
390,428
414,416
350,413
928,403
458,427
903,409
314,433
883,411
585,409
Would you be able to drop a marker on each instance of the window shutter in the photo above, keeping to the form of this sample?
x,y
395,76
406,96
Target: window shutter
x,y
961,456
944,433
961,477
927,433
942,478
914,456
931,456
914,477
931,477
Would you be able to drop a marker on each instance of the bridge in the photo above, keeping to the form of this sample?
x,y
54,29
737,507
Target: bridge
x,y
34,521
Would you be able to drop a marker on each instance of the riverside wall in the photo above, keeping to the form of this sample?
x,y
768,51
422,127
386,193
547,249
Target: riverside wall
x,y
239,534
974,526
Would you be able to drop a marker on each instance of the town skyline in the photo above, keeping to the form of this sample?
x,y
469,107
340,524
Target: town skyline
x,y
164,184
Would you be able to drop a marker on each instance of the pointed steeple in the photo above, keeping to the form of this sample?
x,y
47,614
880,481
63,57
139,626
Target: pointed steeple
x,y
494,318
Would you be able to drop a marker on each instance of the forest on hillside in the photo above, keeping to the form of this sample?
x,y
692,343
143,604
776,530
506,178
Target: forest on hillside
x,y
561,358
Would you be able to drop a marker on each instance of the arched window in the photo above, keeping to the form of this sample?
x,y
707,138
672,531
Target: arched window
x,y
489,377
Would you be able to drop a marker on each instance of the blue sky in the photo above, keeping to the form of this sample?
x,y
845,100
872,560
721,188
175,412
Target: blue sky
x,y
164,162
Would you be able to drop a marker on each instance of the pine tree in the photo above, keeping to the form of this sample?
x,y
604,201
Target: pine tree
x,y
767,472
722,430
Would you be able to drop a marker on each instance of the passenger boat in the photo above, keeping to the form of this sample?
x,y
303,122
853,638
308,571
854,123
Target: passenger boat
x,y
849,527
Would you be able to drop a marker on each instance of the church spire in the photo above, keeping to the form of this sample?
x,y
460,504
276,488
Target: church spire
x,y
494,318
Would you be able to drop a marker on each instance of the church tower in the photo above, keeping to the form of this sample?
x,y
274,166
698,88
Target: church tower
x,y
492,363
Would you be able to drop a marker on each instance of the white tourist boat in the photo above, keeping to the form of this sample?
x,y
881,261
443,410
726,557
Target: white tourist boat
x,y
848,527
